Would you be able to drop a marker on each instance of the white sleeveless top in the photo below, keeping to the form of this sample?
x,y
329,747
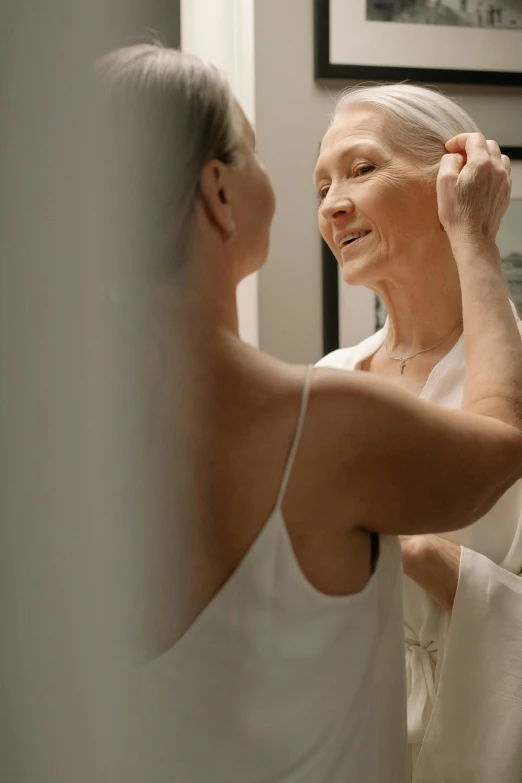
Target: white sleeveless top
x,y
276,682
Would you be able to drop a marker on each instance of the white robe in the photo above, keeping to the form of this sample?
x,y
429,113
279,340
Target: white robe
x,y
464,670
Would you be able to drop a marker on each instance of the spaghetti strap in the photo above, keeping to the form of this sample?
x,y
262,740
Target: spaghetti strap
x,y
297,437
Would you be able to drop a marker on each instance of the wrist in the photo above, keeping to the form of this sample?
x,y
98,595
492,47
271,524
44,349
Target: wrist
x,y
469,249
434,564
415,551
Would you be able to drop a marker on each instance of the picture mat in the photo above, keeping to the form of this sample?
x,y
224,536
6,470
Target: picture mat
x,y
354,41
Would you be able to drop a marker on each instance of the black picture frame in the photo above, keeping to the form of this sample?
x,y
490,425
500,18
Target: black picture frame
x,y
330,282
324,69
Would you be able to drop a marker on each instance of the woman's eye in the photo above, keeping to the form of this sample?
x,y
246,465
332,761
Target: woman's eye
x,y
321,194
365,168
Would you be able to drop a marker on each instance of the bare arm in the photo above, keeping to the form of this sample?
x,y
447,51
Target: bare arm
x,y
410,466
473,197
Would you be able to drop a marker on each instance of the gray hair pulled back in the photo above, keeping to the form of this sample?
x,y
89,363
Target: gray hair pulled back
x,y
168,113
422,120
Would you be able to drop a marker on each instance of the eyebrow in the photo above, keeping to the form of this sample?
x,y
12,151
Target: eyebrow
x,y
345,152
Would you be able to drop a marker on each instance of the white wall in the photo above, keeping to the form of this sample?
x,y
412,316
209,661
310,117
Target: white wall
x,y
292,113
291,116
222,31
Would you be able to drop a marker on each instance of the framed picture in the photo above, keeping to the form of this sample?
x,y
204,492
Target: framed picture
x,y
459,41
352,313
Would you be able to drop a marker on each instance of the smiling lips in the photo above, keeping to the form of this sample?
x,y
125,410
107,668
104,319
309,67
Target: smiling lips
x,y
349,239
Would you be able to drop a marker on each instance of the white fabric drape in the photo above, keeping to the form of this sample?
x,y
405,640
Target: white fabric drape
x,y
446,655
475,732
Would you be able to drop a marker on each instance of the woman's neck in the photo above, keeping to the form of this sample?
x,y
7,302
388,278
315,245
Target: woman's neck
x,y
196,305
211,282
422,308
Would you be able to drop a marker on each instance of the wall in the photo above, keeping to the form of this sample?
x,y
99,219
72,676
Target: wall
x,y
155,16
140,21
291,116
70,472
222,32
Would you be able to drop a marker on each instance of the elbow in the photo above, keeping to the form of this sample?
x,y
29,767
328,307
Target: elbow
x,y
510,455
498,476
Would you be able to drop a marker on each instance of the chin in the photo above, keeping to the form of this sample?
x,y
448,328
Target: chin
x,y
360,272
255,262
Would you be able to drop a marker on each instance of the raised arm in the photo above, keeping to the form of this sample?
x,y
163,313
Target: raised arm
x,y
473,197
411,466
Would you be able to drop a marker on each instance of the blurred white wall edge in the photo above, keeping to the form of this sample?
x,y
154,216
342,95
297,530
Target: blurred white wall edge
x,y
222,31
516,176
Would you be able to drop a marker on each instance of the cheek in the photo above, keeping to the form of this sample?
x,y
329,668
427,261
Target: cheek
x,y
255,203
421,209
404,209
263,194
325,227
271,197
326,231
258,208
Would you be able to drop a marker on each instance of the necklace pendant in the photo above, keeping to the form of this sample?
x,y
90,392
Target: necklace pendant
x,y
402,365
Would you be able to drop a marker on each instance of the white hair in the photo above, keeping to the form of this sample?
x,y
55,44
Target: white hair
x,y
422,120
168,114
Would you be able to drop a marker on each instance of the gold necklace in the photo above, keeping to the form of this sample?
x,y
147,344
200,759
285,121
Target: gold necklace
x,y
404,359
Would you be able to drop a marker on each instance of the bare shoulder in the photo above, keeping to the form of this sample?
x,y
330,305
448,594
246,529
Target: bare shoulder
x,y
273,385
358,401
260,398
340,402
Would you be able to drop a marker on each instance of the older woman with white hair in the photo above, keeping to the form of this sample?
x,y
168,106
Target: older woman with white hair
x,y
376,180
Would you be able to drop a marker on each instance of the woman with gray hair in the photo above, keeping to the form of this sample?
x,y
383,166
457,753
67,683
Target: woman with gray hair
x,y
272,641
377,182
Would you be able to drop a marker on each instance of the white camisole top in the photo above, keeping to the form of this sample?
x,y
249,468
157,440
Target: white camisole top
x,y
276,682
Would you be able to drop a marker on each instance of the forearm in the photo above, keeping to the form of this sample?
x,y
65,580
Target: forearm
x,y
434,564
493,380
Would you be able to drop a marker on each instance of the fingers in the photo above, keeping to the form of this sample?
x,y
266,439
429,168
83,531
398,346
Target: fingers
x,y
450,166
473,187
493,149
506,162
473,144
449,169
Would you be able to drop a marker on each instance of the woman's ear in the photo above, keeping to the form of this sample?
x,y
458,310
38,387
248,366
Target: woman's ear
x,y
215,188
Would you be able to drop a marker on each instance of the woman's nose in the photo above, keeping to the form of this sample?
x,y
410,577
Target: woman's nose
x,y
336,205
